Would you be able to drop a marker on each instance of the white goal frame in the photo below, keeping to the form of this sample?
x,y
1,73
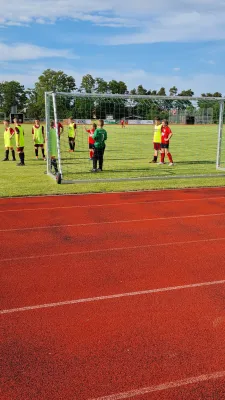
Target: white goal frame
x,y
50,97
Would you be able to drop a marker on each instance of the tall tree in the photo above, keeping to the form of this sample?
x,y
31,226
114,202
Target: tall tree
x,y
141,90
101,86
173,91
12,94
87,83
162,92
54,81
188,93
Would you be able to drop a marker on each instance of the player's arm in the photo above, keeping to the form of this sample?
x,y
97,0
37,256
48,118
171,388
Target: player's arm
x,y
170,135
43,133
105,136
61,128
12,133
33,134
75,129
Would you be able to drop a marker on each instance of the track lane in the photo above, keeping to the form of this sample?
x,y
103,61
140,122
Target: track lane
x,y
93,350
87,275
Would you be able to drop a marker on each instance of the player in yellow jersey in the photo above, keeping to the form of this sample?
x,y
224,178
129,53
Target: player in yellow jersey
x,y
71,134
19,135
8,140
157,139
53,146
38,138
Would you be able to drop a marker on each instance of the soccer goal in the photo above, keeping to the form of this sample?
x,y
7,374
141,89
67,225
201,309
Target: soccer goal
x,y
197,145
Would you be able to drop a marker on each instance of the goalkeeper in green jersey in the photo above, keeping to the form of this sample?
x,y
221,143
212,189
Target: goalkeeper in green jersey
x,y
100,136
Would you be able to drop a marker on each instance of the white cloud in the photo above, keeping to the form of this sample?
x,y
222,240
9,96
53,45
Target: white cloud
x,y
163,20
23,51
176,69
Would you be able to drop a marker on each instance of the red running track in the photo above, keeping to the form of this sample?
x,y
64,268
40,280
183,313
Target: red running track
x,y
67,258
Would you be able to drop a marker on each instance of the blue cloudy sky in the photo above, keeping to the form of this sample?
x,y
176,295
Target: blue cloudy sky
x,y
154,43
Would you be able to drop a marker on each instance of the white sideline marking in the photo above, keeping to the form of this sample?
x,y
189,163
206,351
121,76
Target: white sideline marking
x,y
129,221
109,297
145,246
111,204
163,386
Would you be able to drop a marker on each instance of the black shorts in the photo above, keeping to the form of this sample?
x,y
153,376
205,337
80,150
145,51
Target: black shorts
x,y
19,149
38,145
91,146
164,145
71,139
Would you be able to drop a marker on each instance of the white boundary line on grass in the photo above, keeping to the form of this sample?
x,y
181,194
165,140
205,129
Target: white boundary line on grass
x,y
163,386
129,221
36,209
110,297
109,249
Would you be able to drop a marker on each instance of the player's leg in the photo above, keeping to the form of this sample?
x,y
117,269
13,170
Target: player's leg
x,y
54,164
36,146
91,151
100,159
155,157
70,144
169,155
95,159
73,145
13,154
20,151
162,156
6,154
43,152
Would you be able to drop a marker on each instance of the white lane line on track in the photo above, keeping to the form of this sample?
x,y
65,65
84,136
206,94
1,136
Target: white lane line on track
x,y
110,297
111,204
129,221
147,246
164,386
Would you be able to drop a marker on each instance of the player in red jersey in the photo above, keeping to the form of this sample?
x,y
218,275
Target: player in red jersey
x,y
91,140
122,123
60,128
165,142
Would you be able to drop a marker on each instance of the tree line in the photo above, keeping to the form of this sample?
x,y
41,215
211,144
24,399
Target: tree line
x,y
32,102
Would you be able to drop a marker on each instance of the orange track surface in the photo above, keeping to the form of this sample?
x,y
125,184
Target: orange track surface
x,y
168,343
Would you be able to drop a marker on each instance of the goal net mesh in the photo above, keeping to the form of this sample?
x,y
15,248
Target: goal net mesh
x,y
195,147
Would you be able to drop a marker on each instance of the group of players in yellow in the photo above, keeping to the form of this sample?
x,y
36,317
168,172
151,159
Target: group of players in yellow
x,y
14,137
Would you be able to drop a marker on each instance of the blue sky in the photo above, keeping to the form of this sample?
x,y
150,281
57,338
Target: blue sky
x,y
165,43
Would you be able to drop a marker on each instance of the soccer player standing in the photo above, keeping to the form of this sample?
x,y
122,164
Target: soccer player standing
x,y
53,146
38,138
8,140
100,136
72,134
166,136
19,134
60,129
157,139
91,140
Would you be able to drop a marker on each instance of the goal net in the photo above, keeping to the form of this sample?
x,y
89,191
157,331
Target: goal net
x,y
197,145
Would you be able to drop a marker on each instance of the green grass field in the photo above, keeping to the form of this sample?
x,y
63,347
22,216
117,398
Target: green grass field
x,y
127,155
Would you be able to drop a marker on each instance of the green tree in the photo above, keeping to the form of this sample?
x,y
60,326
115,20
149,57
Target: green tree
x,y
101,86
87,83
12,93
173,91
162,92
141,90
54,81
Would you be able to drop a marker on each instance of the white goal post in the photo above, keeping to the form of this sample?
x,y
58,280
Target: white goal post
x,y
197,145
